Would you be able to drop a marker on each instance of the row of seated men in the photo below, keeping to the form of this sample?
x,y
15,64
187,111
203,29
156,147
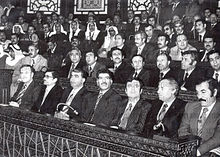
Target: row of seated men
x,y
166,116
186,74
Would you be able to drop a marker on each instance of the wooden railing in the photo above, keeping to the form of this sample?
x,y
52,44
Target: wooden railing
x,y
23,133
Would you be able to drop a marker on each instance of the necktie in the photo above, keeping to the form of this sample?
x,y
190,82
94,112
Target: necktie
x,y
90,71
139,51
71,69
68,102
162,113
96,104
115,68
21,93
161,76
202,120
125,116
135,75
216,76
33,62
185,77
200,38
174,6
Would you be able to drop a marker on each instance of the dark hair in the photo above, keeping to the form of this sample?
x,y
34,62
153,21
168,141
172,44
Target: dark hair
x,y
92,51
122,35
55,74
83,73
193,53
136,79
210,35
115,48
212,52
167,38
139,56
106,71
27,65
142,33
148,25
213,84
201,20
165,54
168,24
15,34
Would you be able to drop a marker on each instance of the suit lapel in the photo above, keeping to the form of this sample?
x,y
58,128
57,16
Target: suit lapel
x,y
134,112
194,121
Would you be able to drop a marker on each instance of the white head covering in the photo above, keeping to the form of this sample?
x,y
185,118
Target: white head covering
x,y
55,32
71,30
109,41
96,31
17,25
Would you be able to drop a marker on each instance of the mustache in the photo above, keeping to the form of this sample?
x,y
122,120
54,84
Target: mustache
x,y
201,99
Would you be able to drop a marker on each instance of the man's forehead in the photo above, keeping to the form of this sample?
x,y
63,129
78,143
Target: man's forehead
x,y
204,86
164,83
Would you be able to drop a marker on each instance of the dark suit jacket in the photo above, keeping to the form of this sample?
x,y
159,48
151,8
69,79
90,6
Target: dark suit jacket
x,y
180,9
137,117
171,120
105,111
122,73
66,68
50,103
30,95
98,66
144,76
155,76
192,79
211,128
76,102
147,52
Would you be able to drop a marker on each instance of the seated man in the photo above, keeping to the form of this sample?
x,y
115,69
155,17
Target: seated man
x,y
182,46
133,110
189,73
202,118
100,108
28,90
74,95
50,94
93,66
163,70
121,69
139,71
72,61
167,111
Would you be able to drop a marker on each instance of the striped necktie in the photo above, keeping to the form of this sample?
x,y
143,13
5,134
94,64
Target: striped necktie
x,y
21,93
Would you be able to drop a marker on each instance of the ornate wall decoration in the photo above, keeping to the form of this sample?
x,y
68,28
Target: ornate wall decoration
x,y
139,5
46,6
84,6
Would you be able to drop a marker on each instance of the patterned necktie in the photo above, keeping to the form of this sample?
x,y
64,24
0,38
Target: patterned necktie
x,y
21,93
96,104
125,116
68,102
185,77
202,120
162,113
135,75
90,71
71,69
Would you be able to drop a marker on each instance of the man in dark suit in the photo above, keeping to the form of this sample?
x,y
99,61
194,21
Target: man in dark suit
x,y
50,94
132,112
178,8
163,70
139,71
202,118
189,73
73,61
92,65
209,44
166,112
121,69
100,108
142,48
74,95
28,90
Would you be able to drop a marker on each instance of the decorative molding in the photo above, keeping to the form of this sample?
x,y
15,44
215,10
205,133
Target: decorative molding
x,y
46,6
84,6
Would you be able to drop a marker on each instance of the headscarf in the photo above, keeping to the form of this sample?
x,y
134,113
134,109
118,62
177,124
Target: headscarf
x,y
96,31
71,30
